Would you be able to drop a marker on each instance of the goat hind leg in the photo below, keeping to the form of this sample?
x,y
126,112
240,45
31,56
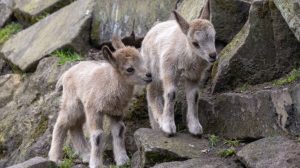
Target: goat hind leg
x,y
79,142
155,104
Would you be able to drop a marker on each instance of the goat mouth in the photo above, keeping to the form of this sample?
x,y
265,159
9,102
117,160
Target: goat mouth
x,y
212,60
148,80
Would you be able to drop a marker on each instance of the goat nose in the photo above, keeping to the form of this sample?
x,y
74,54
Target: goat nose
x,y
213,55
148,75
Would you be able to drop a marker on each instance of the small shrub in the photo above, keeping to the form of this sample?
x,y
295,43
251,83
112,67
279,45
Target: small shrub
x,y
8,31
293,76
66,55
227,152
232,143
213,140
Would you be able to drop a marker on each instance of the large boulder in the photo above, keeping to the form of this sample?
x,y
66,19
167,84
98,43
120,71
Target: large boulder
x,y
290,10
122,17
255,114
154,147
228,17
36,162
65,28
271,152
31,11
262,51
5,14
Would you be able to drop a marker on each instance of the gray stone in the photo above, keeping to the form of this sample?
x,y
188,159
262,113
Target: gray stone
x,y
154,147
256,55
8,84
37,162
31,11
252,114
118,17
191,9
290,10
64,28
228,17
209,162
5,14
271,152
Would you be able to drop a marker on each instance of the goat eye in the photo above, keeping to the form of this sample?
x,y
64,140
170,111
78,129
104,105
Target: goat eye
x,y
196,44
130,70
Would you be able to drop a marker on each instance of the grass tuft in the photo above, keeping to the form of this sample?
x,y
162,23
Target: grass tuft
x,y
66,55
9,30
232,143
227,152
293,76
213,140
69,157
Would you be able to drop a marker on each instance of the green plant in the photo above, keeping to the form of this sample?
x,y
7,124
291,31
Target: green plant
x,y
69,157
293,76
227,152
232,143
244,87
66,55
8,31
213,140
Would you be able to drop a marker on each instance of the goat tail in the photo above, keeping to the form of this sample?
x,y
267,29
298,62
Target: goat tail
x,y
59,85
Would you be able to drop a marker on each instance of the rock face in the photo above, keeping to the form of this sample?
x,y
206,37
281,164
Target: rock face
x,y
272,152
195,163
191,9
232,13
30,11
36,162
5,14
28,112
290,10
64,28
253,60
118,17
154,147
252,115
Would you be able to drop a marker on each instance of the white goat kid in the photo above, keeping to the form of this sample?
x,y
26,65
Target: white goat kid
x,y
175,49
91,90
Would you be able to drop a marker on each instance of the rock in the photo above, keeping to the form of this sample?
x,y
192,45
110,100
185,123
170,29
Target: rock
x,y
5,14
154,147
8,83
252,114
64,28
191,9
228,17
118,17
4,67
290,11
37,162
27,120
209,162
9,3
31,11
249,59
271,152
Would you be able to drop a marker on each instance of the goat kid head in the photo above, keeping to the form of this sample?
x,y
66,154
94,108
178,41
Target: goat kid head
x,y
200,34
128,62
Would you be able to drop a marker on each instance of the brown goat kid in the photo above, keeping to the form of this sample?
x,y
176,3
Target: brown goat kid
x,y
175,49
91,90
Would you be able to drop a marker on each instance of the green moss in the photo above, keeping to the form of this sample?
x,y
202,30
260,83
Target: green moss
x,y
69,157
227,152
41,128
66,55
138,108
244,87
213,140
8,31
293,76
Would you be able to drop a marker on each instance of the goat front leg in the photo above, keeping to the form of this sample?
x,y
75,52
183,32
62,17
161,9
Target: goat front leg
x,y
166,121
97,138
192,96
118,135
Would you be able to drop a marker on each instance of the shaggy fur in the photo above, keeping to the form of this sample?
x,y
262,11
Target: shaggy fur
x,y
175,49
92,90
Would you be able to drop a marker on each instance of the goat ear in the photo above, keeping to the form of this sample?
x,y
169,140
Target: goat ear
x,y
183,24
205,13
108,56
117,42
